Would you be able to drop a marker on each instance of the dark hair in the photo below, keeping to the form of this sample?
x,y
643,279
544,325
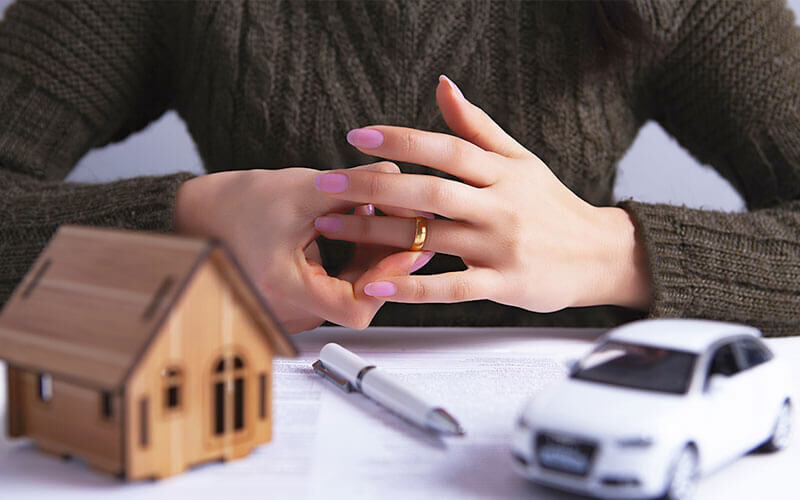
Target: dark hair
x,y
616,29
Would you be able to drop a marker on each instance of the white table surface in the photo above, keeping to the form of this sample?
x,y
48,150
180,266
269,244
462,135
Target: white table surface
x,y
482,376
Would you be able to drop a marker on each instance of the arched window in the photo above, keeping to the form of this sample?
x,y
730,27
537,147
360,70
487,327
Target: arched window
x,y
172,378
238,394
228,386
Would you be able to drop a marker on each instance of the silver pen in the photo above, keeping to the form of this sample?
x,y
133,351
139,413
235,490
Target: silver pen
x,y
348,371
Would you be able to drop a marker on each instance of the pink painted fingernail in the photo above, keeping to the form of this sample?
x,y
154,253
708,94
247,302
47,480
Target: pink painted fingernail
x,y
328,224
367,138
331,183
452,86
380,289
423,259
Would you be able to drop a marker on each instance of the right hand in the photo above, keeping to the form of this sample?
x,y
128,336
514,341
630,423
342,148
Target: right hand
x,y
266,217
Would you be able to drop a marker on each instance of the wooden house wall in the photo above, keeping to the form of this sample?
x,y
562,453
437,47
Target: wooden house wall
x,y
69,424
206,324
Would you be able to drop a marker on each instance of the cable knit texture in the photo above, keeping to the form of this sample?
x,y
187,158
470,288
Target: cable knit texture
x,y
270,84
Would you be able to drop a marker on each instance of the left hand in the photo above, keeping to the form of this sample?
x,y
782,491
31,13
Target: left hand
x,y
527,240
266,217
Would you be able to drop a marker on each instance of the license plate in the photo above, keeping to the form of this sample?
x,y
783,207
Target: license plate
x,y
563,458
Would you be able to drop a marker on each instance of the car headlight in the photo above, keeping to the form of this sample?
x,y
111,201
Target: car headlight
x,y
635,442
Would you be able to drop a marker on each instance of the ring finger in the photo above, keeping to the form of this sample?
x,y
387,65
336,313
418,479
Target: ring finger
x,y
451,237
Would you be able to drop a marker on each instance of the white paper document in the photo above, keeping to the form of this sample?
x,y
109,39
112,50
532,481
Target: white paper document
x,y
328,444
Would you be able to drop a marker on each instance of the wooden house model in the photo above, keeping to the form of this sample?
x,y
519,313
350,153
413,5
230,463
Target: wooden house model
x,y
142,354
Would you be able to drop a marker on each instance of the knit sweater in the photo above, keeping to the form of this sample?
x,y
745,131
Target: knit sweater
x,y
269,84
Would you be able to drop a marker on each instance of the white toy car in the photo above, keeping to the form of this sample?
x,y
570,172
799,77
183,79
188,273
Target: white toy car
x,y
654,405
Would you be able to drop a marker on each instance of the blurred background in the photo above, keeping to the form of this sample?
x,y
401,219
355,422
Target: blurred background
x,y
655,169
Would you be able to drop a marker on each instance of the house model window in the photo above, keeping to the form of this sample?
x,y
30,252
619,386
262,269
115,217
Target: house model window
x,y
106,405
173,380
228,387
262,396
45,387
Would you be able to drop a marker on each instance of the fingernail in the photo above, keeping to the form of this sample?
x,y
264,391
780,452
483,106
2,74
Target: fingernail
x,y
380,289
328,224
331,183
367,210
452,86
427,215
423,259
367,138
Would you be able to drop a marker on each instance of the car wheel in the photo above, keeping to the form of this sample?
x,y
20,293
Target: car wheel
x,y
684,476
782,430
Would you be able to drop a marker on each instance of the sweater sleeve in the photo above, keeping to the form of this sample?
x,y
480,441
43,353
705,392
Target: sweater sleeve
x,y
728,89
74,75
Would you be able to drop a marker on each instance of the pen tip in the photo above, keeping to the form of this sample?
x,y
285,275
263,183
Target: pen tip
x,y
441,421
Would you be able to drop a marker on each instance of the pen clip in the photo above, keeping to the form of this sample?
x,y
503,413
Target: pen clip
x,y
338,381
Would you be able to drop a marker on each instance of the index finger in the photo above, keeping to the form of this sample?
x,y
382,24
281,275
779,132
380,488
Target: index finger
x,y
443,152
427,193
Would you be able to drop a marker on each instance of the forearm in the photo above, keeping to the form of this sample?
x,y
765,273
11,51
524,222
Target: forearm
x,y
726,266
31,210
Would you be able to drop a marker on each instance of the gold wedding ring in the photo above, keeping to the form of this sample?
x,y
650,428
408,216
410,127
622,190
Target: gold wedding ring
x,y
420,233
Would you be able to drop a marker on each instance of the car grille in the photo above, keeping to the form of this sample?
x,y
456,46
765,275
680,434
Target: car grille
x,y
565,454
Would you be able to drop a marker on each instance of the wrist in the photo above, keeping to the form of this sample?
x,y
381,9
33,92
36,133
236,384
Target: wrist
x,y
185,211
196,205
622,278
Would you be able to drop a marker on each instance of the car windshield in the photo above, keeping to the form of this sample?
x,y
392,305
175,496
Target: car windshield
x,y
638,366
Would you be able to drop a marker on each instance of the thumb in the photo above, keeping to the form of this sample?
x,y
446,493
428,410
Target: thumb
x,y
473,124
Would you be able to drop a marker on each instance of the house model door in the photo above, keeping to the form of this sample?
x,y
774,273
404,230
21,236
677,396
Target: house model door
x,y
228,400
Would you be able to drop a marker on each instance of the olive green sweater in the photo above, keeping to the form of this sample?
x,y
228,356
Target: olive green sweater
x,y
268,84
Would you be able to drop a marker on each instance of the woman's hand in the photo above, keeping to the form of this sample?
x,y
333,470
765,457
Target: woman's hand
x,y
526,239
267,219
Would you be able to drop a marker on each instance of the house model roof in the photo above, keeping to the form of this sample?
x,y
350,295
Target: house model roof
x,y
95,298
